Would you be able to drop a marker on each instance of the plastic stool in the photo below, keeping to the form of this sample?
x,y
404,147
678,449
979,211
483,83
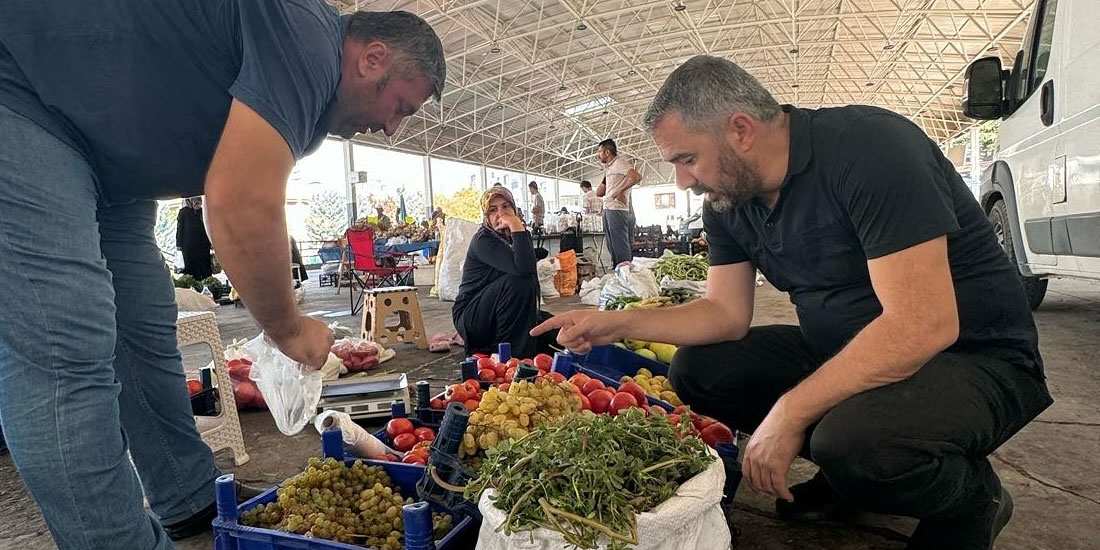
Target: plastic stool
x,y
403,301
222,431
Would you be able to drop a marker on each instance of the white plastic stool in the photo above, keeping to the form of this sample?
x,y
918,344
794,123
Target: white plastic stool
x,y
222,431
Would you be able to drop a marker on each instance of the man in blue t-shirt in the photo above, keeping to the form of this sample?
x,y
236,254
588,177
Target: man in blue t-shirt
x,y
104,108
915,354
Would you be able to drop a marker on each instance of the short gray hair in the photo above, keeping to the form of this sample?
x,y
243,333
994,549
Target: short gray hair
x,y
410,35
705,89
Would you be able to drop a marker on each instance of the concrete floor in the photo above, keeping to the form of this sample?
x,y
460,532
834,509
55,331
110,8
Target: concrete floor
x,y
1050,466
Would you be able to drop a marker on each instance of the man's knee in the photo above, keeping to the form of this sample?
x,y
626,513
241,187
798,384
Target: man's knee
x,y
696,370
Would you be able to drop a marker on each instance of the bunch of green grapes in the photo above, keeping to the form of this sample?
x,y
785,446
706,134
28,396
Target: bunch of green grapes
x,y
354,504
511,414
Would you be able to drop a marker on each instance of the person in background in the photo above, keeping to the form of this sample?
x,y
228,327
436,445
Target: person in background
x,y
192,241
130,103
916,354
618,212
498,298
538,206
300,274
590,202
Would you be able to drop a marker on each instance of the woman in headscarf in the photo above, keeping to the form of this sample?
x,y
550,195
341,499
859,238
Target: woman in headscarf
x,y
192,241
499,296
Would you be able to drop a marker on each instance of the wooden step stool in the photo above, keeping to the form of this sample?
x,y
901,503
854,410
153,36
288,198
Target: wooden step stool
x,y
402,300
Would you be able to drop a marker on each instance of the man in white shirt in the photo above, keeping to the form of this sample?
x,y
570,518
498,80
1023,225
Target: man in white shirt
x,y
618,213
538,205
591,203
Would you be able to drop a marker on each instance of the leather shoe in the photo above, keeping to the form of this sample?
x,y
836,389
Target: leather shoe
x,y
814,500
199,522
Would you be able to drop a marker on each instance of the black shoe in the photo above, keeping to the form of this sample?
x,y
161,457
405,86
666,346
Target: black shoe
x,y
199,522
814,500
965,532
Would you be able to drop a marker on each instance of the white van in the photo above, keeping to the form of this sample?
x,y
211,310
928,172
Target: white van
x,y
1042,193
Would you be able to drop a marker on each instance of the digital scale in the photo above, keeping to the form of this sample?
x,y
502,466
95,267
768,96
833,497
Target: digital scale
x,y
365,397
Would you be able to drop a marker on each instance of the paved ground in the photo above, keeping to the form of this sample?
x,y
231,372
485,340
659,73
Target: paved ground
x,y
1050,467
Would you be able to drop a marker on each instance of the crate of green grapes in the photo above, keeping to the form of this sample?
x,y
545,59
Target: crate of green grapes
x,y
339,503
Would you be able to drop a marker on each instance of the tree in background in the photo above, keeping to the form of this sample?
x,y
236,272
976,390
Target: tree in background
x,y
326,219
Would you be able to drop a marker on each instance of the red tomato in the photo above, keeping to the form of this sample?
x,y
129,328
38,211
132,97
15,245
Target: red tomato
x,y
586,405
673,419
543,362
702,422
681,409
556,377
193,386
421,446
599,400
504,387
512,363
404,442
472,404
510,373
592,385
424,434
487,375
399,426
579,379
716,433
414,458
473,389
437,404
620,401
634,389
658,411
457,392
499,370
485,363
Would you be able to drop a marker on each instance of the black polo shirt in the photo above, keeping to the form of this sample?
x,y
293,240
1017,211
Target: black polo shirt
x,y
861,183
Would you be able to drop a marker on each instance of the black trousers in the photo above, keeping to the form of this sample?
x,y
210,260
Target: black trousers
x,y
913,448
504,311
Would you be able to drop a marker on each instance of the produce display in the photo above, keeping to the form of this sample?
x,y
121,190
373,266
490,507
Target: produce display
x,y
356,504
668,297
682,267
357,355
657,387
513,411
580,477
656,351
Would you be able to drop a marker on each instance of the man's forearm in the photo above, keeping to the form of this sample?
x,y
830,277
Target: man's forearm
x,y
887,350
695,323
249,233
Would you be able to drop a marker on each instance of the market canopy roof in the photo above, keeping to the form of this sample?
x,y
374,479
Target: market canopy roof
x,y
532,85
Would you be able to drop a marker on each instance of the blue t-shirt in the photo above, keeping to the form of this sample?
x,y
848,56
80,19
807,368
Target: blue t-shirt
x,y
142,88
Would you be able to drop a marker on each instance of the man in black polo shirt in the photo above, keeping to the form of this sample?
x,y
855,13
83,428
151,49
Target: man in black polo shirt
x,y
915,355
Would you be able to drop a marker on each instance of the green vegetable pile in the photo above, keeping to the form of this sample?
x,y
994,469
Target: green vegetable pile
x,y
589,475
682,267
620,302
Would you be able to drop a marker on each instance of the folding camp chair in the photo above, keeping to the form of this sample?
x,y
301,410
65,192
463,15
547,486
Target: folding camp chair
x,y
365,269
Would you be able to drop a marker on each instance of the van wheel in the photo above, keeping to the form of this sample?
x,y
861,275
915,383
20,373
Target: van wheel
x,y
1034,287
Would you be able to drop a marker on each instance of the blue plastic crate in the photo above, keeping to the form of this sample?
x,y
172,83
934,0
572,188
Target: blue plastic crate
x,y
608,364
230,535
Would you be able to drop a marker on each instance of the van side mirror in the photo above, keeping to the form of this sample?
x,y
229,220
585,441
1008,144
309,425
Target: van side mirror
x,y
985,89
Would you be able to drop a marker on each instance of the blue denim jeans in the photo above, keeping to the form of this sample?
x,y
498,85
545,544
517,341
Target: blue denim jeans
x,y
89,367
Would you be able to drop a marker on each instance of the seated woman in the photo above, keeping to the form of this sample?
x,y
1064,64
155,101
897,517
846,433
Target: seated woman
x,y
499,296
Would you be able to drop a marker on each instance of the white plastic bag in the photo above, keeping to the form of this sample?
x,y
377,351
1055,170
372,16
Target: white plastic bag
x,y
590,290
694,287
692,519
630,280
546,269
291,393
448,267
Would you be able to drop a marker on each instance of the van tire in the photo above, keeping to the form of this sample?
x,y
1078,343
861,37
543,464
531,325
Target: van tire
x,y
1034,287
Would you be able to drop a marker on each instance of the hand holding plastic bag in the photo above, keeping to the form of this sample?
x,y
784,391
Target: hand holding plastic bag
x,y
290,391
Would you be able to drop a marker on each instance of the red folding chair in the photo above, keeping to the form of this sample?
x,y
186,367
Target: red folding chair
x,y
365,269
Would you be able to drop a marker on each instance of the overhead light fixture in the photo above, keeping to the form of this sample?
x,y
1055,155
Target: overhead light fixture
x,y
679,7
561,88
494,49
794,49
888,46
794,85
604,112
631,72
581,26
869,84
992,48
